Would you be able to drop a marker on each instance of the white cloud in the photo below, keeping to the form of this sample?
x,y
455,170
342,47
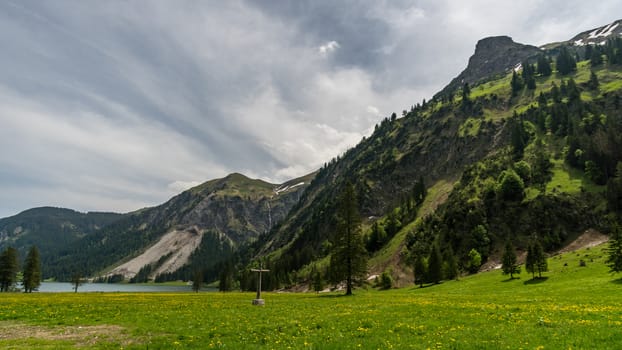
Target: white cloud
x,y
155,99
328,48
373,110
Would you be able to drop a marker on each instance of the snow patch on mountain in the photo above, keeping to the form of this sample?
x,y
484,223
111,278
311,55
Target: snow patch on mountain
x,y
282,189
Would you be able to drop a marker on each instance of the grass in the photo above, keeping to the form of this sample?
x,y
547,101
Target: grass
x,y
575,307
436,195
570,180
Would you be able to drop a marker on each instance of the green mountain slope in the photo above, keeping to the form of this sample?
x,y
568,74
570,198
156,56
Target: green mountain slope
x,y
224,213
560,132
50,229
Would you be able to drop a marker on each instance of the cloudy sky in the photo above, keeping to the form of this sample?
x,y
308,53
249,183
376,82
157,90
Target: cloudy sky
x,y
117,105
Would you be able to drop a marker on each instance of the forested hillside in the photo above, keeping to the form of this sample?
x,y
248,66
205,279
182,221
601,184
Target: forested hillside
x,y
531,154
50,229
224,214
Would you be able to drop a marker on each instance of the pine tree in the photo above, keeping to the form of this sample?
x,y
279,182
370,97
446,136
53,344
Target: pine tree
x,y
516,84
32,270
596,57
536,260
518,136
435,263
466,98
450,264
349,258
566,63
509,261
318,282
541,262
530,261
544,66
225,278
528,75
8,269
614,250
593,83
197,280
419,270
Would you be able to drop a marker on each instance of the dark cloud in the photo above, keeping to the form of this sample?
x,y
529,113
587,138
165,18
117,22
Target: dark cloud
x,y
116,105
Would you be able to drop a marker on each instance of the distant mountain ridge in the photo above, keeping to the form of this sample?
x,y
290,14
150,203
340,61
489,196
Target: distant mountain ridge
x,y
51,229
225,212
598,36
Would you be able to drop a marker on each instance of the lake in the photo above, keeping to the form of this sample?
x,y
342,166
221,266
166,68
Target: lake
x,y
55,287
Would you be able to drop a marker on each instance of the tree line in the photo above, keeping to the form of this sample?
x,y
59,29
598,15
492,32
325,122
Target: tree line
x,y
10,270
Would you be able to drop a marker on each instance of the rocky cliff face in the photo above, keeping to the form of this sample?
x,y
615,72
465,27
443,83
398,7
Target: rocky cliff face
x,y
493,56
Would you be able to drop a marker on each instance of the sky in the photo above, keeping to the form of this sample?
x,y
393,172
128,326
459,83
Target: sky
x,y
118,105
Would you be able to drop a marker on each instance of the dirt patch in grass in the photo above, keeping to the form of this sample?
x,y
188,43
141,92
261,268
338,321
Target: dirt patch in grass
x,y
81,336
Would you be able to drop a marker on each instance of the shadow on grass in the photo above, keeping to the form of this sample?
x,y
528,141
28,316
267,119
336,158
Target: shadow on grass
x,y
332,296
428,285
511,279
618,281
536,280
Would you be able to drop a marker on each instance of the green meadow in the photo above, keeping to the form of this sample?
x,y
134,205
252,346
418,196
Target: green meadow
x,y
574,307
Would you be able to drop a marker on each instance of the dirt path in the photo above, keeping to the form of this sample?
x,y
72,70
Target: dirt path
x,y
81,336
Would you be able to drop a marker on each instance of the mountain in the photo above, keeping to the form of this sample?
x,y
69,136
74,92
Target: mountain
x,y
520,157
493,56
50,229
202,225
498,163
598,36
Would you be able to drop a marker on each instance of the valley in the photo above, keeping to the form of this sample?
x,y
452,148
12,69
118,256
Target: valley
x,y
574,307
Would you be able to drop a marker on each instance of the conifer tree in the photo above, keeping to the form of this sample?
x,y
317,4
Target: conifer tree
x,y
565,62
541,261
596,57
197,280
32,270
8,269
516,84
450,264
419,270
349,258
509,261
318,282
544,66
466,103
614,250
435,272
593,83
530,261
536,260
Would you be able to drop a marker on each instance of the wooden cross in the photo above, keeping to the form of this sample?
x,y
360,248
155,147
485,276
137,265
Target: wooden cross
x,y
258,300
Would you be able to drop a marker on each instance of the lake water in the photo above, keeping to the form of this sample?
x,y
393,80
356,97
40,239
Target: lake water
x,y
55,287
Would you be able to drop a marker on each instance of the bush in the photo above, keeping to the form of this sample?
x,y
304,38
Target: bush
x,y
511,186
386,281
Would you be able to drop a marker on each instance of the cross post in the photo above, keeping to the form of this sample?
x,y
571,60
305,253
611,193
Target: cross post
x,y
258,300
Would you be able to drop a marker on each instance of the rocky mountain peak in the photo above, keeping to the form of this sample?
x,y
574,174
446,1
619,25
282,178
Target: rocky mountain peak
x,y
493,55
